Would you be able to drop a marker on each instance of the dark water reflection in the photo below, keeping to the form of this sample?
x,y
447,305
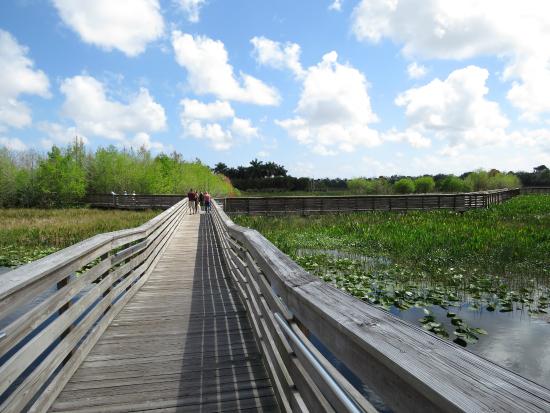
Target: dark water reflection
x,y
516,340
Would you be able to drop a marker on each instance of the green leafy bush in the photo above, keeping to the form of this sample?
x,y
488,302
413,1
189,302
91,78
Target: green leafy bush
x,y
424,184
404,186
454,184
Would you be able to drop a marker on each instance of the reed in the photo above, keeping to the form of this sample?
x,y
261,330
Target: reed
x,y
30,234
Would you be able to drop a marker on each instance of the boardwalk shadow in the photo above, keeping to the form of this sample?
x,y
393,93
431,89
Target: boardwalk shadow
x,y
222,368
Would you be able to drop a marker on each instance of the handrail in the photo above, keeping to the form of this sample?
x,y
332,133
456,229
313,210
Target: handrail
x,y
343,397
407,367
44,344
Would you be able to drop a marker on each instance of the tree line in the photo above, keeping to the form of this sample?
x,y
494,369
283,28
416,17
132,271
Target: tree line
x,y
65,176
271,177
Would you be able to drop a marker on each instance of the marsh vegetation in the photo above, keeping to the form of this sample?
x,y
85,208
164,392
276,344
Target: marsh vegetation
x,y
30,234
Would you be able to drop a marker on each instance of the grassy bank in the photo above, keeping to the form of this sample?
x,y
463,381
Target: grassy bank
x,y
30,234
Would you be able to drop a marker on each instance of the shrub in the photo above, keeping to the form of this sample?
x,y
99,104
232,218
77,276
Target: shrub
x,y
404,186
360,186
481,180
454,184
424,184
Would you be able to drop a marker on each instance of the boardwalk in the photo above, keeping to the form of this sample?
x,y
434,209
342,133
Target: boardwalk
x,y
197,314
183,343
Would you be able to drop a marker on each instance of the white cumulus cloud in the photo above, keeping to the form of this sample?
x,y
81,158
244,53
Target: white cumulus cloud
x,y
143,140
336,5
209,71
59,134
126,25
195,109
215,123
278,55
13,144
516,31
334,111
455,109
17,77
94,114
191,8
416,71
218,138
244,128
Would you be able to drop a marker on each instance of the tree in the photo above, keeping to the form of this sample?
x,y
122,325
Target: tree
x,y
360,186
8,179
61,179
454,184
478,180
424,184
404,186
221,168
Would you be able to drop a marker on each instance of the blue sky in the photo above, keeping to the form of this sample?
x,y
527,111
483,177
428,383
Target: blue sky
x,y
327,88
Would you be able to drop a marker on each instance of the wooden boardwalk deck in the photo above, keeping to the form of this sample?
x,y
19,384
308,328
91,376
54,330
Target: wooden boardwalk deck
x,y
183,343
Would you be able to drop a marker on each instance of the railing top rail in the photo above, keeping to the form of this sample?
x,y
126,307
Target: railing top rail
x,y
17,279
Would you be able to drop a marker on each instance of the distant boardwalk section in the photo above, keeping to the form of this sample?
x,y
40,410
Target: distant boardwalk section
x,y
361,203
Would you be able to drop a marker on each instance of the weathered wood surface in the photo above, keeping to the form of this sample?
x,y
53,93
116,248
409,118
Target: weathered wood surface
x,y
337,204
183,343
535,190
409,368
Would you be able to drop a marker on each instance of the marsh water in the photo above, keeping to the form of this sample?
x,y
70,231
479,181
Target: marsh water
x,y
516,339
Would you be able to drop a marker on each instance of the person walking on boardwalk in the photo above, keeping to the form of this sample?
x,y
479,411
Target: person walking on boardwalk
x,y
196,202
207,201
201,200
191,196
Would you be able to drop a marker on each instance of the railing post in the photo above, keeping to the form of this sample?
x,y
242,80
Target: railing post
x,y
61,284
108,290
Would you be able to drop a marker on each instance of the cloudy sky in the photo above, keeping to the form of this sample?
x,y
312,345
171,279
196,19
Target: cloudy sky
x,y
326,87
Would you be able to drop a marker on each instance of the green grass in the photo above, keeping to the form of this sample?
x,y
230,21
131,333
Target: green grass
x,y
30,234
504,239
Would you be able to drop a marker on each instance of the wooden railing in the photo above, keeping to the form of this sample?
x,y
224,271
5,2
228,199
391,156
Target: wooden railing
x,y
335,204
121,201
407,367
535,190
42,343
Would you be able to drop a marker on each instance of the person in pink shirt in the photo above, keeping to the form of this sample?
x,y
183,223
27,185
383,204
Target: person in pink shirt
x,y
207,202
